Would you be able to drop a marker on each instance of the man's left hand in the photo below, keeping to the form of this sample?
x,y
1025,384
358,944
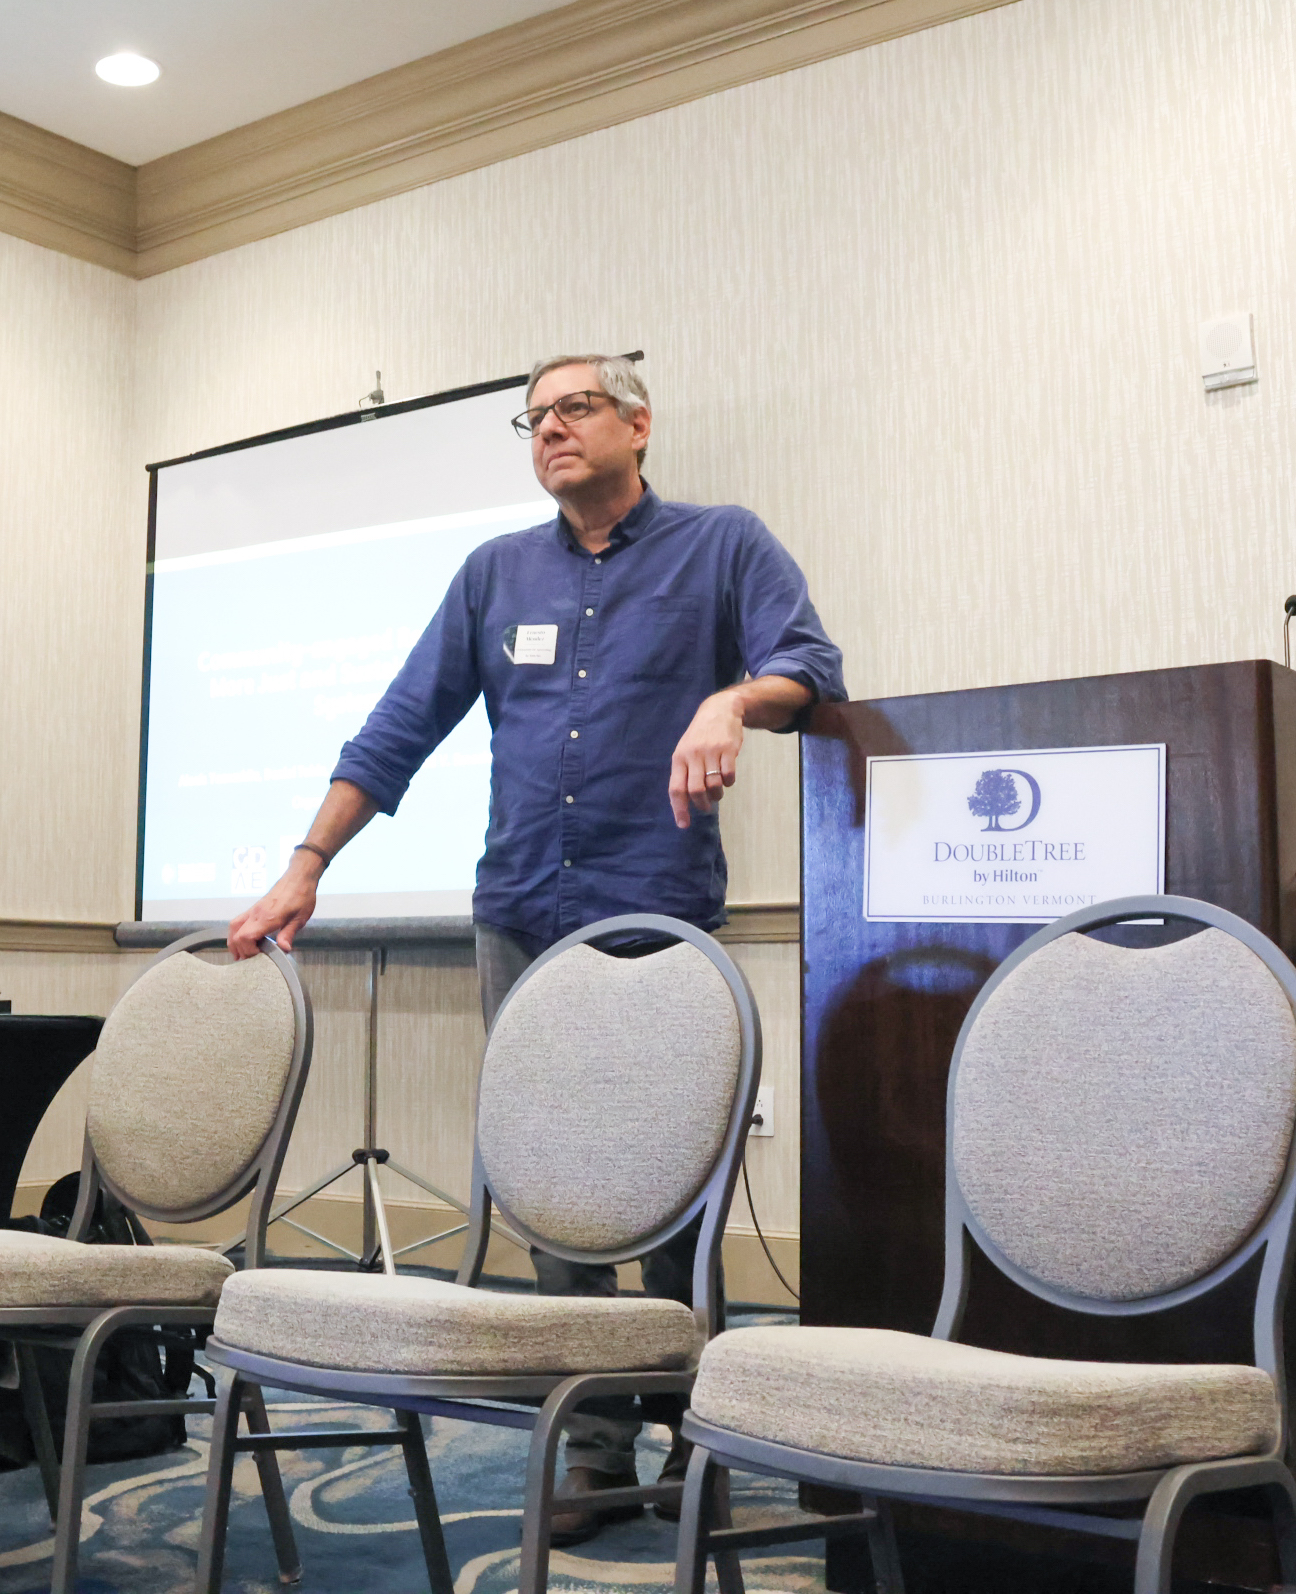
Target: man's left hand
x,y
704,763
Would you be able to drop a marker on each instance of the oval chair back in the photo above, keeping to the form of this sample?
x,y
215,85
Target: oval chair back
x,y
195,1085
1120,1124
615,1097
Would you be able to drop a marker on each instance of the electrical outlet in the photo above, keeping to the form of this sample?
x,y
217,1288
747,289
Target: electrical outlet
x,y
764,1111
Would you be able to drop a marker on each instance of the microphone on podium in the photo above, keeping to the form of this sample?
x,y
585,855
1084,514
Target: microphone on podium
x,y
1289,609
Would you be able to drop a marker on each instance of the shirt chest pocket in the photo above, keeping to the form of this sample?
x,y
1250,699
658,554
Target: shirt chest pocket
x,y
658,639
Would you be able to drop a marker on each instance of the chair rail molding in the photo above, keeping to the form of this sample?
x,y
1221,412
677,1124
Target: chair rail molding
x,y
56,935
753,922
589,65
749,924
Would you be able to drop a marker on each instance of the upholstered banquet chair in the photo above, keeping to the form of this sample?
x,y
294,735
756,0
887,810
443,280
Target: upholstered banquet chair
x,y
613,1107
194,1087
1119,1142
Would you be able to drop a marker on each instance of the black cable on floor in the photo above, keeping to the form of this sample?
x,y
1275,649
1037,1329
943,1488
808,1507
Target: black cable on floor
x,y
769,1255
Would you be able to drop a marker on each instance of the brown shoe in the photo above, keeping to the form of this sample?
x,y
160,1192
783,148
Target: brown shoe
x,y
673,1470
584,1521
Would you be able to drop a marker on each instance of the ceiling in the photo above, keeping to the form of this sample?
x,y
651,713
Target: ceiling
x,y
224,62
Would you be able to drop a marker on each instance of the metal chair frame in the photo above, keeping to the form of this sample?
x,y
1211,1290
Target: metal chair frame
x,y
462,1396
1043,1499
85,1330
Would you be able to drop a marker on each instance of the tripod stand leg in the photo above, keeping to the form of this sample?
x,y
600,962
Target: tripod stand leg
x,y
384,1247
369,1235
298,1200
452,1201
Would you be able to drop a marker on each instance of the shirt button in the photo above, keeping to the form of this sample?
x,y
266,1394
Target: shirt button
x,y
589,611
571,799
575,735
581,673
598,561
566,863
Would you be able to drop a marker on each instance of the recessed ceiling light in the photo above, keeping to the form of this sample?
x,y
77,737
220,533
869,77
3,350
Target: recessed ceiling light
x,y
127,70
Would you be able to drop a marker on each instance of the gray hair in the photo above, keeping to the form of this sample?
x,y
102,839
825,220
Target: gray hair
x,y
617,376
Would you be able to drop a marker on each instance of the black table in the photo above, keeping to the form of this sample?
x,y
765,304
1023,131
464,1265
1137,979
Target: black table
x,y
37,1054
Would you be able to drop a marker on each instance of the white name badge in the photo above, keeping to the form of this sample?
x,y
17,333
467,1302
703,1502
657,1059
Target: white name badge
x,y
535,644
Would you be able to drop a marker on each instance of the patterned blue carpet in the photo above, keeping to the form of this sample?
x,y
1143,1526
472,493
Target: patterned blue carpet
x,y
353,1519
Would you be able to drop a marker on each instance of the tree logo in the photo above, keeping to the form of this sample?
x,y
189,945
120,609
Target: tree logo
x,y
997,797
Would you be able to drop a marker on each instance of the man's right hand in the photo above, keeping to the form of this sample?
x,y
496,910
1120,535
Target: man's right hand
x,y
287,906
282,911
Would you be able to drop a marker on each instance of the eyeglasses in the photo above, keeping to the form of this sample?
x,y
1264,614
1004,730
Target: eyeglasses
x,y
570,407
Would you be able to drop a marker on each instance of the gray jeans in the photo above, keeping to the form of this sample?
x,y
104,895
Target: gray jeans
x,y
601,1433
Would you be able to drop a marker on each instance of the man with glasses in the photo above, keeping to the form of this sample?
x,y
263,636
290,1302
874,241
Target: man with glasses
x,y
623,650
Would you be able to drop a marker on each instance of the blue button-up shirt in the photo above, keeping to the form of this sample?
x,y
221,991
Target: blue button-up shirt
x,y
684,601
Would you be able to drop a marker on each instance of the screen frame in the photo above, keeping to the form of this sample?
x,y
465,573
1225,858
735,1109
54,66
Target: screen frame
x,y
283,434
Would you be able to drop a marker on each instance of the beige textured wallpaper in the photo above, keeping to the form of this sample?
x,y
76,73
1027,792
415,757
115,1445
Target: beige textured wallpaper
x,y
931,309
71,588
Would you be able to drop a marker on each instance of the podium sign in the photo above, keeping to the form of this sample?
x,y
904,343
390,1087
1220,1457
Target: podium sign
x,y
1013,836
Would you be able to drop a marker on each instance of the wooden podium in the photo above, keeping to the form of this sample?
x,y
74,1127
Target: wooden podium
x,y
883,1004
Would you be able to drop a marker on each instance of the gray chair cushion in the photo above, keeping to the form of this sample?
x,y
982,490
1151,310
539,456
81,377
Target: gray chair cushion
x,y
188,1076
375,1323
1122,1118
904,1400
606,1092
39,1270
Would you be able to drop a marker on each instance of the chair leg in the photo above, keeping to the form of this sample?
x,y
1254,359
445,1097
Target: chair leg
x,y
1176,1492
695,1523
1156,1539
37,1415
423,1495
728,1566
76,1438
1282,1496
1170,1499
220,1479
888,1574
537,1503
272,1489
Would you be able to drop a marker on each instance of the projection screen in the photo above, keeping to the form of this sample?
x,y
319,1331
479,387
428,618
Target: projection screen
x,y
288,579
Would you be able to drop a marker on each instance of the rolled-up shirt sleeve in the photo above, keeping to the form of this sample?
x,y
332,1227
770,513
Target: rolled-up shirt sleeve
x,y
777,627
433,690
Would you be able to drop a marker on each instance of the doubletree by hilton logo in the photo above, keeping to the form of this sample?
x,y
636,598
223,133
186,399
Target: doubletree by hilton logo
x,y
1008,800
997,797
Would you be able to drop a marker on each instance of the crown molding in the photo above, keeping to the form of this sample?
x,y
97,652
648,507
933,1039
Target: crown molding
x,y
587,66
66,197
590,65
